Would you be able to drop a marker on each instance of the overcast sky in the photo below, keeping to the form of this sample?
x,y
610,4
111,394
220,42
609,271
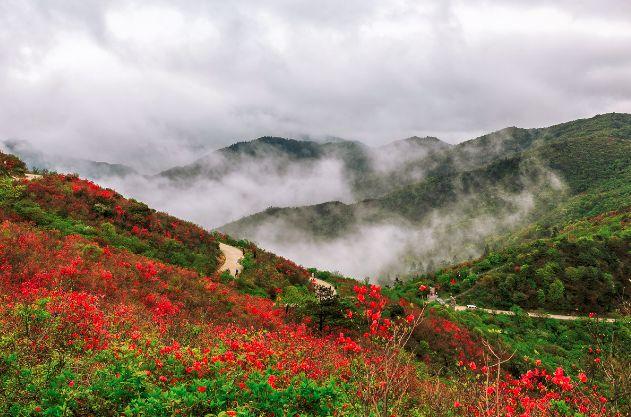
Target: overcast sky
x,y
130,82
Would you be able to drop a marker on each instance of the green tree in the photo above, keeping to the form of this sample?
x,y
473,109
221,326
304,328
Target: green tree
x,y
556,291
296,298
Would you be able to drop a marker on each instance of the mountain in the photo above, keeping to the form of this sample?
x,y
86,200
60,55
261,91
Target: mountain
x,y
112,308
41,161
487,186
369,171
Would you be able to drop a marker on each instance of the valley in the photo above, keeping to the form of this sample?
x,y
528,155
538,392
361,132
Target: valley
x,y
145,313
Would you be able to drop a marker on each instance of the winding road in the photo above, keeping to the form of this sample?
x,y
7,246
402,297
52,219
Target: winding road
x,y
28,177
320,283
532,314
232,256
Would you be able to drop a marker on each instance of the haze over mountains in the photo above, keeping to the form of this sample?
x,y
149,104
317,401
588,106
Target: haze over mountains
x,y
248,177
346,206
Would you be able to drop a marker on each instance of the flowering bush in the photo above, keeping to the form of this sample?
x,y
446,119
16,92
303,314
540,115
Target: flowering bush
x,y
11,165
104,312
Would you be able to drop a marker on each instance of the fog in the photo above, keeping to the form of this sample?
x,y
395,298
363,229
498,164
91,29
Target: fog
x,y
254,187
153,86
384,250
227,189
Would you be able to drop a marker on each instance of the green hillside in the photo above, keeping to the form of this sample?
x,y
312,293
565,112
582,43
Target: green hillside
x,y
363,166
584,155
545,180
112,308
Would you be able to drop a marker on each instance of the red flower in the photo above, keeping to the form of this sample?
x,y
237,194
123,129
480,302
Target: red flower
x,y
473,366
597,360
457,404
582,377
422,288
272,381
163,378
349,314
38,409
452,281
410,318
231,413
592,315
201,388
71,383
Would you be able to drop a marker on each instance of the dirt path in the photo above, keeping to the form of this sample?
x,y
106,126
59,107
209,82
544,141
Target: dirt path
x,y
232,257
320,283
531,314
28,177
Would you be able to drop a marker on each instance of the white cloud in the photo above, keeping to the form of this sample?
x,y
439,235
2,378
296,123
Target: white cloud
x,y
135,83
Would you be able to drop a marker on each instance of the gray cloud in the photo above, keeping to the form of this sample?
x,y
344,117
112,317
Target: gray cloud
x,y
154,85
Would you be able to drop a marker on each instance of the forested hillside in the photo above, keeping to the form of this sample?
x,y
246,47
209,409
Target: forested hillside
x,y
110,308
506,187
369,171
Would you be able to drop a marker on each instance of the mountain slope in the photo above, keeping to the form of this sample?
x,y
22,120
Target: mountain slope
x,y
489,185
369,171
40,161
110,308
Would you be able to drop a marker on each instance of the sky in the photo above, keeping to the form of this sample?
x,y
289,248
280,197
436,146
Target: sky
x,y
157,84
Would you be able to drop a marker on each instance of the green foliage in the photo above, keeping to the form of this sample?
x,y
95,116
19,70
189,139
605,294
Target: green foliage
x,y
11,165
556,291
9,191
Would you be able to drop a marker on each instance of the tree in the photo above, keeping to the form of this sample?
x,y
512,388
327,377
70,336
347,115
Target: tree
x,y
556,291
326,307
296,298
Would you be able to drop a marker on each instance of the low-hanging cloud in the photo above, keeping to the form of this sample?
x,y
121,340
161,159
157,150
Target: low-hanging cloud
x,y
380,251
156,85
253,188
132,83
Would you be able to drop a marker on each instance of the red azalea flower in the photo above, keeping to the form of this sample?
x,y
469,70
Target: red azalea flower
x,y
201,388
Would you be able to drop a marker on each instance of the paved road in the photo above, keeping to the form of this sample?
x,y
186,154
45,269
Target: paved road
x,y
232,257
28,177
320,283
532,314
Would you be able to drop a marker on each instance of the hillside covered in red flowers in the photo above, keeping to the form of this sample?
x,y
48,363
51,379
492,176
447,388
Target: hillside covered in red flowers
x,y
109,308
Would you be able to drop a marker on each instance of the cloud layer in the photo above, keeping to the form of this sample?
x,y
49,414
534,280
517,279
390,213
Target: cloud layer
x,y
154,85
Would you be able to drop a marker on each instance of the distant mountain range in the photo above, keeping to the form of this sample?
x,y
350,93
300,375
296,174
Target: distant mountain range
x,y
87,168
532,217
371,171
508,178
464,196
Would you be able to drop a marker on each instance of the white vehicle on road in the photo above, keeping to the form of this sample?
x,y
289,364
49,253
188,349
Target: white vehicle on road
x,y
471,306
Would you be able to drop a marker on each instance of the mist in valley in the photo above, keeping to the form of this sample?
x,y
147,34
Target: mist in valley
x,y
383,251
225,190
